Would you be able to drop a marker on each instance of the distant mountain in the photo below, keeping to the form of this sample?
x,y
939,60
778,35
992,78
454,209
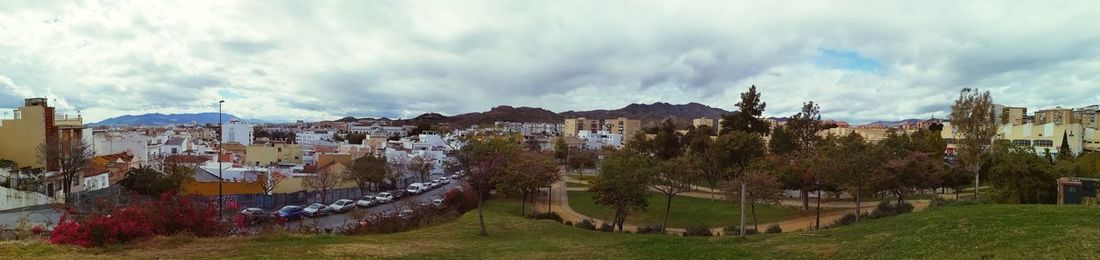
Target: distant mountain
x,y
896,123
496,114
158,119
653,114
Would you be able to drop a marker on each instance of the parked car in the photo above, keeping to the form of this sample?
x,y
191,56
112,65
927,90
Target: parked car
x,y
384,197
435,184
399,194
444,180
341,206
316,210
290,212
416,188
406,213
366,202
255,216
454,176
438,203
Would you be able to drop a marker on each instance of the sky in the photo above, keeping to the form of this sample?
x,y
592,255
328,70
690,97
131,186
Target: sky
x,y
861,61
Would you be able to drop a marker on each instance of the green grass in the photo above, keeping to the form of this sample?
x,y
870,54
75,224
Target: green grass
x,y
686,211
962,232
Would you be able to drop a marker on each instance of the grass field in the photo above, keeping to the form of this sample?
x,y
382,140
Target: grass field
x,y
686,211
963,232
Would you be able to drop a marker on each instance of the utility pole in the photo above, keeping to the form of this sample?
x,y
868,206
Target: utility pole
x,y
818,182
220,138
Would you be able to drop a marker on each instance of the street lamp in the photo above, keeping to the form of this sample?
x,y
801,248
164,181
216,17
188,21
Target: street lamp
x,y
220,138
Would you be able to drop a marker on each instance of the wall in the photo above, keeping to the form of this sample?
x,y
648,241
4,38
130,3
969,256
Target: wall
x,y
19,138
13,199
228,188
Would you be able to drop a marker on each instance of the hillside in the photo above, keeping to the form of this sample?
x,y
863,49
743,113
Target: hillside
x,y
652,114
968,232
158,119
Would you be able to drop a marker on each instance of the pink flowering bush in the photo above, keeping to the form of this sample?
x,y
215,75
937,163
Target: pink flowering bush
x,y
169,215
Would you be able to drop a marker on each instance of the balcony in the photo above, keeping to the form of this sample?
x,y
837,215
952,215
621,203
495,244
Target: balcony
x,y
65,121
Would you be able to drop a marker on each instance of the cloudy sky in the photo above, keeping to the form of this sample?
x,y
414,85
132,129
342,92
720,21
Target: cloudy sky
x,y
861,60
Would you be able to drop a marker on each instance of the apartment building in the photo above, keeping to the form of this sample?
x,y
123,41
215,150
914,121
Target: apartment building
x,y
622,126
31,125
237,132
1045,131
703,121
273,153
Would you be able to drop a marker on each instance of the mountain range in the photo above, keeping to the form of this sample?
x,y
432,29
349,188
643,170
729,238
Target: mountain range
x,y
158,119
649,114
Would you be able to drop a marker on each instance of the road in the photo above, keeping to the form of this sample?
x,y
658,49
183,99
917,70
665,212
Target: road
x,y
341,219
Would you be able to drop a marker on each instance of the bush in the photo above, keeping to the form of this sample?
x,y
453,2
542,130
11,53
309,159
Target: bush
x,y
605,227
548,215
937,201
167,216
698,231
652,229
736,231
847,219
885,209
773,229
903,207
586,224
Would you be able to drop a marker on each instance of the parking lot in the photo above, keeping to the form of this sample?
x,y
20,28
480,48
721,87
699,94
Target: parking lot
x,y
335,220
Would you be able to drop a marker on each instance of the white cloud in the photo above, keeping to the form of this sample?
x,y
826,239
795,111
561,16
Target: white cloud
x,y
324,60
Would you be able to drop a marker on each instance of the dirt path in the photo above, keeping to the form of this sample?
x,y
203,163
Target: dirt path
x,y
560,204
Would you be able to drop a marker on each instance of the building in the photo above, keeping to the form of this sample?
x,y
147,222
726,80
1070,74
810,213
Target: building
x,y
273,154
31,125
104,171
1046,132
622,126
703,121
237,132
1088,116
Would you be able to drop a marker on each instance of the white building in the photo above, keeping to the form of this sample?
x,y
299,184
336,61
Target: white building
x,y
141,146
378,130
600,139
237,132
314,137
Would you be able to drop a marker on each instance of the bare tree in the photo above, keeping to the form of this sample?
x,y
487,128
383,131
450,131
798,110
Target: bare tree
x,y
673,177
325,180
69,157
762,186
421,165
972,118
368,170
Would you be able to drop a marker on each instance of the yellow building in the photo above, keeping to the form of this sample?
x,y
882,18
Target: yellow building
x,y
31,125
277,153
1014,115
1047,131
624,126
1057,115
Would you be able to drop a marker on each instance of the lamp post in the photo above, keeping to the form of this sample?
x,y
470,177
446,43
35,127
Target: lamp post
x,y
220,138
818,184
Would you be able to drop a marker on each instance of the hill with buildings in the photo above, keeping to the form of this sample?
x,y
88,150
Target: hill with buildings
x,y
158,119
652,114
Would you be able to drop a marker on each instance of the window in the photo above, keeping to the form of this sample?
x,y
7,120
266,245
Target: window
x,y
1044,143
1021,142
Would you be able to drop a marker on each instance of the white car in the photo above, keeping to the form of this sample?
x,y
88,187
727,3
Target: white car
x,y
444,180
316,209
343,205
417,188
436,184
384,197
438,203
366,202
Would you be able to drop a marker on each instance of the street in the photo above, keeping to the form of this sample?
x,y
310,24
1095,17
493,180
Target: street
x,y
341,219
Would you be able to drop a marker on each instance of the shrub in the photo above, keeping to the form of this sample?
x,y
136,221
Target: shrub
x,y
773,229
847,219
736,230
605,227
548,215
698,231
903,207
169,215
937,201
586,224
652,229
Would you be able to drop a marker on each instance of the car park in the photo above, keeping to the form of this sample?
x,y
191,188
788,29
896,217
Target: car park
x,y
416,188
384,197
256,216
316,210
290,212
341,206
366,202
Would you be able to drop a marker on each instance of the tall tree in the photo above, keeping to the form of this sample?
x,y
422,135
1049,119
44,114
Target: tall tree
x,y
781,142
70,157
749,114
621,183
742,149
561,149
855,160
1064,152
802,129
762,186
973,120
485,157
422,166
804,125
1018,175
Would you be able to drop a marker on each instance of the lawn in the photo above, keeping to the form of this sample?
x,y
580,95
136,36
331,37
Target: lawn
x,y
686,211
967,232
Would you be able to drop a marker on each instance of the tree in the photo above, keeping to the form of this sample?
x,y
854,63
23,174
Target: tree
x,y
581,159
146,181
782,142
1064,152
762,186
621,184
485,157
356,138
804,125
1019,175
69,157
972,118
270,180
561,149
672,177
326,179
911,171
422,166
368,170
749,114
742,149
530,172
855,160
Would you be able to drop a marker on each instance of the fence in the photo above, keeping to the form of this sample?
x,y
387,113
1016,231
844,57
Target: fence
x,y
301,198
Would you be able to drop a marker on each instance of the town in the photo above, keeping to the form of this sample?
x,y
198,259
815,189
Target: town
x,y
490,129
